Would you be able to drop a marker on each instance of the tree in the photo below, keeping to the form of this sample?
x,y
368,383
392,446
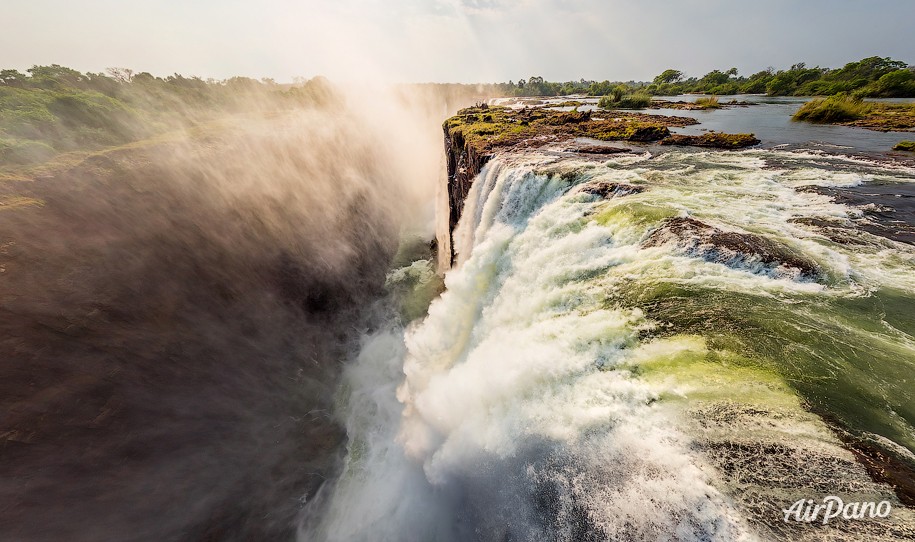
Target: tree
x,y
781,85
896,83
121,75
714,78
668,76
12,78
56,76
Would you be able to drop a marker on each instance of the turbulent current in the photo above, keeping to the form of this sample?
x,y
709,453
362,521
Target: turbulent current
x,y
662,346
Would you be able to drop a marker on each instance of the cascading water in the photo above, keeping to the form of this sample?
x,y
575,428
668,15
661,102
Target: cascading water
x,y
577,382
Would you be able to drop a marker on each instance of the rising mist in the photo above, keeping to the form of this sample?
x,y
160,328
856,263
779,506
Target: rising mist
x,y
177,312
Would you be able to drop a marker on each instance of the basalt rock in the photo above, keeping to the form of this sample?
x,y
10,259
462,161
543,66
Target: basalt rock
x,y
714,140
599,149
731,248
464,163
606,189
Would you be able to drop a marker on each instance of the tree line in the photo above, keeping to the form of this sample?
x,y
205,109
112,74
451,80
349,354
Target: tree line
x,y
53,109
872,77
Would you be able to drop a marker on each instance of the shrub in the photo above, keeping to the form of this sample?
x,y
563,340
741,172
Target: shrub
x,y
709,102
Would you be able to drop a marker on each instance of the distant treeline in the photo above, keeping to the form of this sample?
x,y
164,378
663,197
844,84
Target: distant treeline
x,y
53,109
873,77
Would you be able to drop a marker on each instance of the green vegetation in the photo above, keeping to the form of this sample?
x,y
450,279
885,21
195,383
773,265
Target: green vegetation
x,y
850,110
905,146
53,109
710,102
872,77
835,109
484,128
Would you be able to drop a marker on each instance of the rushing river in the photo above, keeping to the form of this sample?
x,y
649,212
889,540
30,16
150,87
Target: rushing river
x,y
577,382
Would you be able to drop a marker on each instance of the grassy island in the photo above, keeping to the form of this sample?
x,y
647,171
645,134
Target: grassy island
x,y
486,128
852,111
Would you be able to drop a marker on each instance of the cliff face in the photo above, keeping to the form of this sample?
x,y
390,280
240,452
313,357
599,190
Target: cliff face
x,y
464,163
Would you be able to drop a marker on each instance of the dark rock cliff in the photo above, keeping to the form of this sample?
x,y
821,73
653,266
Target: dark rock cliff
x,y
464,163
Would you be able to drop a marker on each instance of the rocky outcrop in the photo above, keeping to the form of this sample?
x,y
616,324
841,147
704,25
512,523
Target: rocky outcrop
x,y
731,248
607,190
698,105
887,210
598,149
713,140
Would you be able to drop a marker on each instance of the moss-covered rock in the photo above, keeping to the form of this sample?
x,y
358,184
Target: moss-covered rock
x,y
487,128
905,146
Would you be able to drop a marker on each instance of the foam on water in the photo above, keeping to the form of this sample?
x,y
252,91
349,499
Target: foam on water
x,y
538,401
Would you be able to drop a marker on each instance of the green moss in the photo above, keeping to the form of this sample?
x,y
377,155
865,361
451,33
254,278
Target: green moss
x,y
905,146
485,128
627,131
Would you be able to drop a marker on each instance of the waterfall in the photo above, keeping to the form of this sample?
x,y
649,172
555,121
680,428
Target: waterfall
x,y
574,382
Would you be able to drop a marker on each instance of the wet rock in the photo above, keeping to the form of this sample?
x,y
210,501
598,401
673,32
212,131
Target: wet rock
x,y
606,189
464,163
568,117
599,149
835,231
731,248
888,209
714,140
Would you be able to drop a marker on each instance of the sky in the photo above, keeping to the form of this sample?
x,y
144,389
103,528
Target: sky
x,y
450,40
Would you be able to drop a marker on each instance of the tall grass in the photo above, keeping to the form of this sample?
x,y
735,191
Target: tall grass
x,y
838,108
708,102
637,100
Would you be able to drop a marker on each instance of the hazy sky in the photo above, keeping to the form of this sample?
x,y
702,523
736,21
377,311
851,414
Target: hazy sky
x,y
451,40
